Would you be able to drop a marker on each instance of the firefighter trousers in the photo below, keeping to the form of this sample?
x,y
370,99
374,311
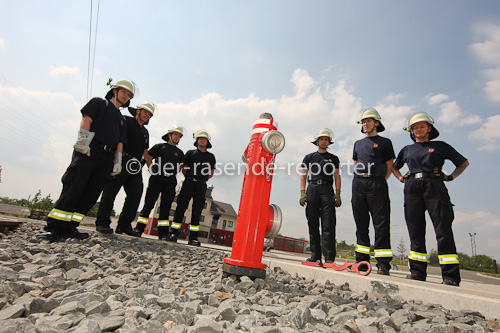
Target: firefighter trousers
x,y
82,182
430,194
370,196
321,209
133,187
165,186
190,189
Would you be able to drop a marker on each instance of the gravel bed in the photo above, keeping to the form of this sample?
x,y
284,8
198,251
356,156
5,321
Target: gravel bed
x,y
112,284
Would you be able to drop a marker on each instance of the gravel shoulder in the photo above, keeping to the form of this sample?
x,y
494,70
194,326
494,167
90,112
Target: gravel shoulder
x,y
113,284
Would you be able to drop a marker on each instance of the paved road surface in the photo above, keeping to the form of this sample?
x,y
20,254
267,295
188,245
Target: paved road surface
x,y
472,276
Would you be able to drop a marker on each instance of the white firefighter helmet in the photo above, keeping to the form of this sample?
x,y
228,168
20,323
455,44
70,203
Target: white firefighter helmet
x,y
370,113
148,106
419,117
323,132
125,84
203,133
174,128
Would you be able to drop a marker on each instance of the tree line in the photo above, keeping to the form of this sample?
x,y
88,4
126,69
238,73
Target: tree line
x,y
40,203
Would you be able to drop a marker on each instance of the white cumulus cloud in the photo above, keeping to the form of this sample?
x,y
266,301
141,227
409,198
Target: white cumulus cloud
x,y
492,85
66,73
452,115
436,99
488,134
393,113
488,52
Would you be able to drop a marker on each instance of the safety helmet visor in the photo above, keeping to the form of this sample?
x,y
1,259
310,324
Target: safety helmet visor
x,y
202,134
150,107
127,85
368,113
416,118
323,132
174,128
373,114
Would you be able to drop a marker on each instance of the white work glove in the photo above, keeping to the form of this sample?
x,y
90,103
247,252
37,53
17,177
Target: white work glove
x,y
82,144
178,187
117,167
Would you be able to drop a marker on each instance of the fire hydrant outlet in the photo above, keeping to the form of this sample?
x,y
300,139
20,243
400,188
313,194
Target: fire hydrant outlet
x,y
275,221
273,142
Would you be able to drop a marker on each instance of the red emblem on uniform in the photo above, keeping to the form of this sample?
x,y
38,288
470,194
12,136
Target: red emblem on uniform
x,y
375,145
176,154
431,150
121,122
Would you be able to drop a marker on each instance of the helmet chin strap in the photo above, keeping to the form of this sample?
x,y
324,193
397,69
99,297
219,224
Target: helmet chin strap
x,y
116,99
170,139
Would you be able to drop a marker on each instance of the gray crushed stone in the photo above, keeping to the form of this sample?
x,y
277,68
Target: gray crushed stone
x,y
111,284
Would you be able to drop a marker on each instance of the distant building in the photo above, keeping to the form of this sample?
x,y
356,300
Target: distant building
x,y
217,220
218,223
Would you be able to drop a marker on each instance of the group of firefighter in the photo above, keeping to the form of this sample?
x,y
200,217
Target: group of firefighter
x,y
109,143
424,190
112,144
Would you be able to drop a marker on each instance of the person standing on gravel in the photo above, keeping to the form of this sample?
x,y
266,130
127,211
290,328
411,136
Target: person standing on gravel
x,y
135,152
198,168
320,169
97,155
424,190
168,160
373,159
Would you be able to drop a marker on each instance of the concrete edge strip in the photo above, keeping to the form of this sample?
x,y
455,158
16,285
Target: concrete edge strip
x,y
449,297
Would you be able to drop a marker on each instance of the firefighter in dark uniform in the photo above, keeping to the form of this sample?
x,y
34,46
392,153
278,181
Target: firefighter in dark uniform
x,y
198,167
131,176
373,157
425,190
320,169
168,160
97,155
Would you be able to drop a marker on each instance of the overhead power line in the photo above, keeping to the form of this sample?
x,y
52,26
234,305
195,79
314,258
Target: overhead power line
x,y
90,47
29,130
95,44
91,60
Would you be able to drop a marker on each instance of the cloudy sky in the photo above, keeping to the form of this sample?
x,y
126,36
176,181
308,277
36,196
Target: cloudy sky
x,y
219,64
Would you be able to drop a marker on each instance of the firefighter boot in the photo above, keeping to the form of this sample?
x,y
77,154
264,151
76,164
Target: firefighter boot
x,y
104,229
193,239
139,227
173,236
127,229
163,234
75,234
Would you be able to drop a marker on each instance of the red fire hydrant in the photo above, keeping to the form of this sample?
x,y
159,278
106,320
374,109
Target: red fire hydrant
x,y
256,218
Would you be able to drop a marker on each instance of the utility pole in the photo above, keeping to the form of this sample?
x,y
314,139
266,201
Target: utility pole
x,y
473,243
